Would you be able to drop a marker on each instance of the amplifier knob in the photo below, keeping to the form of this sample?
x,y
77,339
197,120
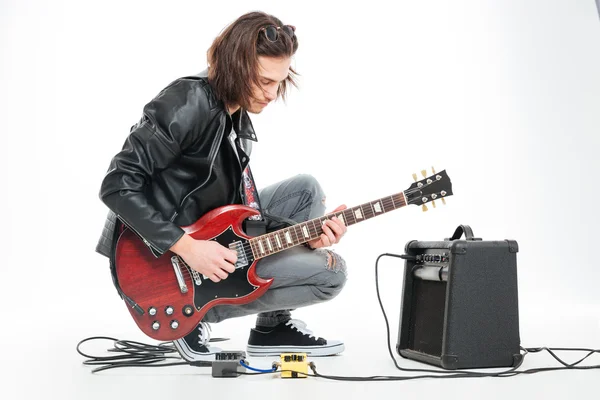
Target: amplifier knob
x,y
174,324
155,325
169,310
152,311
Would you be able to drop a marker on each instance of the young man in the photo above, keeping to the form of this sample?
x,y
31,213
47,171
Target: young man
x,y
189,154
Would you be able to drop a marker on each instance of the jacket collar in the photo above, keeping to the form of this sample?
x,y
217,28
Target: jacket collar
x,y
240,119
243,125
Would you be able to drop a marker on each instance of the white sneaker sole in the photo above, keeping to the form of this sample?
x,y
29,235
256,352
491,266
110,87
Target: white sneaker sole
x,y
190,355
314,351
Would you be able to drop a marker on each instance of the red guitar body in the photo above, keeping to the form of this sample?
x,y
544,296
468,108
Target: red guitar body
x,y
174,298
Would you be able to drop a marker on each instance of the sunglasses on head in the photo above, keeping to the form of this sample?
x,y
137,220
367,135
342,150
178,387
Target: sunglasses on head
x,y
272,31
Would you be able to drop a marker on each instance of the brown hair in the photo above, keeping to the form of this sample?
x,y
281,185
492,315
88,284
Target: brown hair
x,y
233,57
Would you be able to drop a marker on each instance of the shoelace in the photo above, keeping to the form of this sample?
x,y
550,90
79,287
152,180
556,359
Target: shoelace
x,y
301,327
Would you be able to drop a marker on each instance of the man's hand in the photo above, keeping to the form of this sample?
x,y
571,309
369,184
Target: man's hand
x,y
333,230
206,256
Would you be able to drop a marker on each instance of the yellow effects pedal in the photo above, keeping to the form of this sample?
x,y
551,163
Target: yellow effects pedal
x,y
294,365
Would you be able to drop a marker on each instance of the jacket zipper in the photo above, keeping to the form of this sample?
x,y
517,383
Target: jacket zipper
x,y
213,154
146,242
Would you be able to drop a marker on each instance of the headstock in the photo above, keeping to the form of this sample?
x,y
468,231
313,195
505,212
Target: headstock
x,y
435,187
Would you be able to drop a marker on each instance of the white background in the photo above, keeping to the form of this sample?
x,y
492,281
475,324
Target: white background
x,y
504,95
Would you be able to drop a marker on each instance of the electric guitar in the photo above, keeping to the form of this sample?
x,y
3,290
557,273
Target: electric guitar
x,y
167,298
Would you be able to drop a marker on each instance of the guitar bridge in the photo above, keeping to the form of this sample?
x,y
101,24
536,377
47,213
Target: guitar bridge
x,y
178,274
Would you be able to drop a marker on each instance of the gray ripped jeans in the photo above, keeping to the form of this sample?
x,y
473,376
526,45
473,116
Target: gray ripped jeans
x,y
301,276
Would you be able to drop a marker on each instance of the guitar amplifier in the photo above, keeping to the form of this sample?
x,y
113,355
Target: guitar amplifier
x,y
459,303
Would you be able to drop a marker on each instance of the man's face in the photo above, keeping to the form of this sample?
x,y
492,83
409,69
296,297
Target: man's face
x,y
271,71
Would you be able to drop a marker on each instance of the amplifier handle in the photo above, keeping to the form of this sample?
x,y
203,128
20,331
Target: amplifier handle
x,y
466,229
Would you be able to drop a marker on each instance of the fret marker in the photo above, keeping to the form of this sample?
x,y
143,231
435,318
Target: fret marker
x,y
269,243
260,245
341,218
288,237
305,231
377,207
278,241
358,214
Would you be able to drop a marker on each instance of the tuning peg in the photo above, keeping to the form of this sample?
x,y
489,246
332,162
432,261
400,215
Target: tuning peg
x,y
433,169
424,208
415,177
424,172
444,201
433,203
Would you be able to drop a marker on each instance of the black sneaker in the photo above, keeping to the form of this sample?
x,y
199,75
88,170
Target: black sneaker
x,y
194,346
290,337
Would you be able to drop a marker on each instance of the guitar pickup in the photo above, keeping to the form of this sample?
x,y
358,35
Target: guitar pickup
x,y
242,260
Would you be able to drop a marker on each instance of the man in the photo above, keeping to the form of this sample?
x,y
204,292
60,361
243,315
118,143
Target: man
x,y
189,154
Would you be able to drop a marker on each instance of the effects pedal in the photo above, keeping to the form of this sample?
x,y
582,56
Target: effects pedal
x,y
227,364
294,365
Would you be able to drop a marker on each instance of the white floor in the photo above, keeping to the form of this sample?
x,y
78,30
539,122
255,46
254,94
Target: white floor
x,y
44,364
70,301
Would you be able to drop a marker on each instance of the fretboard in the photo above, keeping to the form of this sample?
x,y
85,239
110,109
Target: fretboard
x,y
283,239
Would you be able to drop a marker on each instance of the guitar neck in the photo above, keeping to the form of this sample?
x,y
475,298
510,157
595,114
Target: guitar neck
x,y
295,235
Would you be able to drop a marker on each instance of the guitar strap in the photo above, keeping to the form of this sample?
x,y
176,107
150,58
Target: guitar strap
x,y
250,195
255,224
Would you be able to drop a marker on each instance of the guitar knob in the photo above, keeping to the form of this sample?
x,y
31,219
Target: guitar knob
x,y
152,311
155,325
188,310
169,310
174,324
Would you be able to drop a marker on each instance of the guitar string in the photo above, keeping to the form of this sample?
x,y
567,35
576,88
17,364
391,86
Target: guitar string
x,y
248,247
315,230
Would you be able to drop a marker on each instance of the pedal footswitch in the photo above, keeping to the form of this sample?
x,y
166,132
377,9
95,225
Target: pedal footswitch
x,y
294,365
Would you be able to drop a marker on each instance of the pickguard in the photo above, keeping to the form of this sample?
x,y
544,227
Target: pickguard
x,y
235,286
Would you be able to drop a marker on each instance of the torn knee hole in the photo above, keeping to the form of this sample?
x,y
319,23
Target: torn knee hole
x,y
330,260
334,261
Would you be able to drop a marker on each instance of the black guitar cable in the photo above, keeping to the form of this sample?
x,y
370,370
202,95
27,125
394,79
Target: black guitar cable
x,y
136,354
133,354
456,374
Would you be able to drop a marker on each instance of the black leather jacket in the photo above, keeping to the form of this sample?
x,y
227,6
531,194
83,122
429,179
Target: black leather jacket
x,y
176,164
